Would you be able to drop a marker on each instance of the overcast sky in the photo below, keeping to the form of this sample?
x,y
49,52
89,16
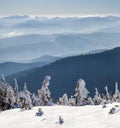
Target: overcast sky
x,y
59,7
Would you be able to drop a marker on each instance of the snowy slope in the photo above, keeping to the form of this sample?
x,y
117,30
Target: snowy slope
x,y
74,117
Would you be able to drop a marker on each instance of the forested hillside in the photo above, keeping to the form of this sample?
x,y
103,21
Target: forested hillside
x,y
97,70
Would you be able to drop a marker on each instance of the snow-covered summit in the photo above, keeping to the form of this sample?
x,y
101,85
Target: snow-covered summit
x,y
74,117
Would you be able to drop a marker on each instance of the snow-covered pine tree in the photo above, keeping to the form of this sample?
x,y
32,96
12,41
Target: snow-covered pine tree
x,y
16,87
25,98
107,96
21,99
28,100
65,99
34,100
91,102
71,101
81,95
44,93
16,90
9,97
97,97
2,95
60,101
3,79
40,102
11,94
116,96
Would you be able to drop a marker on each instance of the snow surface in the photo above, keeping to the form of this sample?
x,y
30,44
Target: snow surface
x,y
74,117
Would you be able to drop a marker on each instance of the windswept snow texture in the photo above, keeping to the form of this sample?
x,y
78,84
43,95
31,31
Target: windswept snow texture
x,y
74,117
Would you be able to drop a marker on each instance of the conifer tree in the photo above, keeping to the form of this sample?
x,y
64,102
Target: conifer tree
x,y
91,102
116,96
11,94
71,101
44,94
3,79
65,99
34,100
25,98
81,95
107,97
16,91
40,100
16,87
7,94
3,87
97,97
60,101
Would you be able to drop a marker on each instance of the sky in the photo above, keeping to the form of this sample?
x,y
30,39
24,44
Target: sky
x,y
59,7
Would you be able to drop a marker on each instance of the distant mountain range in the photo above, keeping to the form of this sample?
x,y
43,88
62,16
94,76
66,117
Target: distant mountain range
x,y
8,68
96,51
98,70
43,25
46,58
35,46
37,36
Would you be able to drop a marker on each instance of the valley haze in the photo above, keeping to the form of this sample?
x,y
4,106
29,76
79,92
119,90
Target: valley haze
x,y
57,36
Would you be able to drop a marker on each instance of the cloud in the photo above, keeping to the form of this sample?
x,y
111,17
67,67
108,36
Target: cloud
x,y
12,34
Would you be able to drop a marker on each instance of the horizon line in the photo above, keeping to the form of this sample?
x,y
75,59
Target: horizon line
x,y
61,16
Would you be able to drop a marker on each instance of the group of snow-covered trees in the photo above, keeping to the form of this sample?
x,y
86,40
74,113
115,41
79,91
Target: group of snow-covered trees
x,y
81,96
11,97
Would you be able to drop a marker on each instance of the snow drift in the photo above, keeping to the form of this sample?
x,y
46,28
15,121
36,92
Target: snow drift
x,y
74,117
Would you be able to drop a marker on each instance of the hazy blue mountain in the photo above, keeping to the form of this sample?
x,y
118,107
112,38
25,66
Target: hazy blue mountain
x,y
46,58
111,29
8,68
35,46
98,70
97,51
